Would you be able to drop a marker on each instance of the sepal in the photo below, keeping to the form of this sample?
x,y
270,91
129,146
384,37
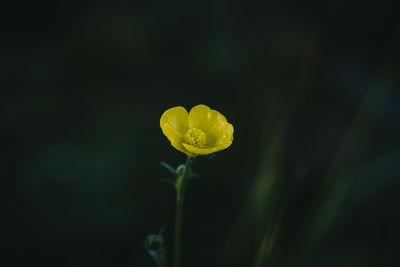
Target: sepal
x,y
169,167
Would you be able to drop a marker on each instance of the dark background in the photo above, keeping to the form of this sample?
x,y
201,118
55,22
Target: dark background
x,y
311,179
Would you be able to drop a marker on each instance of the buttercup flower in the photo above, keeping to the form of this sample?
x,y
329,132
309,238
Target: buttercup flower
x,y
202,131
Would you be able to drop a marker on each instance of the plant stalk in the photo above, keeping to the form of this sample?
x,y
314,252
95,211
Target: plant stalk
x,y
180,195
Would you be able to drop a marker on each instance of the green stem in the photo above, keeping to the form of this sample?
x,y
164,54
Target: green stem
x,y
180,195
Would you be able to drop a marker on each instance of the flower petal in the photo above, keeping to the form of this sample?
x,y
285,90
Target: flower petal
x,y
203,118
200,151
173,135
220,135
175,138
181,148
177,118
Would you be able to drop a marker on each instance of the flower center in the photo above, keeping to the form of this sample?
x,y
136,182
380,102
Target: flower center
x,y
195,137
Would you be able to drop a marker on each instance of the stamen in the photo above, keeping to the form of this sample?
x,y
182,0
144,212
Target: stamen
x,y
195,137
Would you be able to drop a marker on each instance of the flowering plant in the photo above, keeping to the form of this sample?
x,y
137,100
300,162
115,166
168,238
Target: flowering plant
x,y
202,131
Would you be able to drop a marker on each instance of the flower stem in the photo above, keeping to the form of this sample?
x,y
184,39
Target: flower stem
x,y
180,195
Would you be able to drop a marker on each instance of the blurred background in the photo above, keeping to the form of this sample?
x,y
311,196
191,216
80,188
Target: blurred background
x,y
311,179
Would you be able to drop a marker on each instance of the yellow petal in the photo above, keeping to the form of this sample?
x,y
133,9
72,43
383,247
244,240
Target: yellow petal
x,y
183,149
172,135
200,151
175,138
177,118
220,135
203,118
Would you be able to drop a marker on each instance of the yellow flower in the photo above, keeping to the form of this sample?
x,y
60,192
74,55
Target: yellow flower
x,y
203,131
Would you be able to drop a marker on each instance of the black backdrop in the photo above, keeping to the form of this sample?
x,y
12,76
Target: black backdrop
x,y
311,178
